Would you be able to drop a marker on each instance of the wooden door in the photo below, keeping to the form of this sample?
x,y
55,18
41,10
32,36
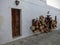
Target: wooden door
x,y
15,22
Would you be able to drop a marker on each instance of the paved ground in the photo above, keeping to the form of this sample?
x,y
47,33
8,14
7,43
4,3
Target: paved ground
x,y
51,38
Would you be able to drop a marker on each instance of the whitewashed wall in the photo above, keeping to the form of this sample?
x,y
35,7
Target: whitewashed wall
x,y
30,9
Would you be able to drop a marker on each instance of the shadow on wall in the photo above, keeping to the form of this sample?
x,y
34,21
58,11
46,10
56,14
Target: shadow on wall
x,y
1,22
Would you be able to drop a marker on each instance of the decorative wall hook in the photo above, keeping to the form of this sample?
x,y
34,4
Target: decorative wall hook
x,y
48,12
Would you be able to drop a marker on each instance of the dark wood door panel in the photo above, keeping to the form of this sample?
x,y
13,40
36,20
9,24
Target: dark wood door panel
x,y
16,22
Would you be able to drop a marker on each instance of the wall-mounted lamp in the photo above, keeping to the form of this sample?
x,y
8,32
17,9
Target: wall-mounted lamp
x,y
17,2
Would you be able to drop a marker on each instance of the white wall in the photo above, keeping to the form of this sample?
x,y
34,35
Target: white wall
x,y
30,9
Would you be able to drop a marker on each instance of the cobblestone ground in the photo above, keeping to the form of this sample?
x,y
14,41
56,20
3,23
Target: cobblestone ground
x,y
51,38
